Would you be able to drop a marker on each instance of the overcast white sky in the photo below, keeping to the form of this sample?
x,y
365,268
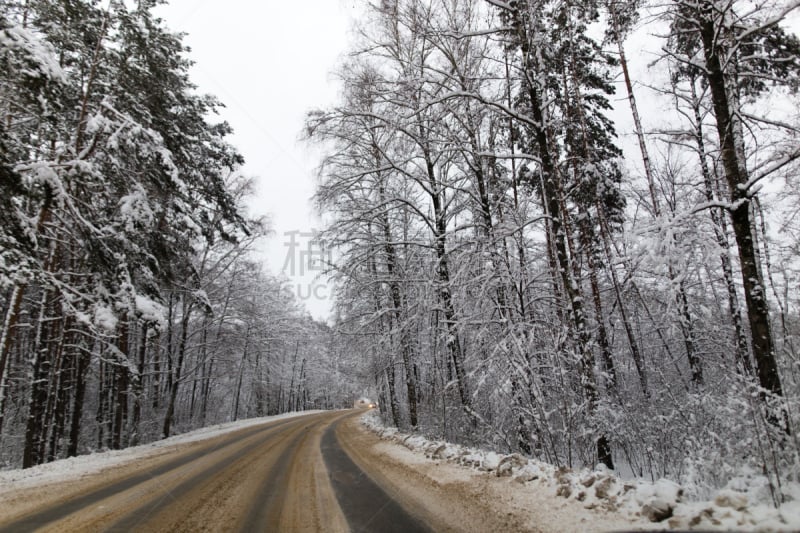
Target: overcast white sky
x,y
269,62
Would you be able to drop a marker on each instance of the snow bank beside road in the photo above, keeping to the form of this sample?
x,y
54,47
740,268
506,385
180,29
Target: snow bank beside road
x,y
68,469
742,505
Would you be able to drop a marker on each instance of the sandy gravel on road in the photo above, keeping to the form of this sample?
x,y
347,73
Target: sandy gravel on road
x,y
24,490
250,478
273,488
22,501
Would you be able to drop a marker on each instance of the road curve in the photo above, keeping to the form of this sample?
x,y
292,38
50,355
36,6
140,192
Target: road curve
x,y
286,475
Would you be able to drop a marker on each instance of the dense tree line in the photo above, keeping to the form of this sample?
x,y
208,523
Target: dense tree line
x,y
132,306
510,278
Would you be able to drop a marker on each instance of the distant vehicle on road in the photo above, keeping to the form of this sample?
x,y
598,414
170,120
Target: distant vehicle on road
x,y
364,403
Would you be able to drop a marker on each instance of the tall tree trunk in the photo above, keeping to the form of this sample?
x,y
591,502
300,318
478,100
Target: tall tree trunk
x,y
606,356
155,382
242,363
398,308
102,398
40,364
61,384
82,365
550,182
170,342
206,388
720,233
176,379
394,405
9,322
637,121
736,175
202,365
39,372
453,339
12,313
121,376
302,386
138,387
553,199
53,344
685,320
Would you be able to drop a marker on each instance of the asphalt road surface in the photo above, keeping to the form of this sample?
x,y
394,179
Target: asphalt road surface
x,y
309,473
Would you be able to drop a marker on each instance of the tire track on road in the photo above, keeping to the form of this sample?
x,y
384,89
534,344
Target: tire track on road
x,y
267,506
366,506
35,520
174,511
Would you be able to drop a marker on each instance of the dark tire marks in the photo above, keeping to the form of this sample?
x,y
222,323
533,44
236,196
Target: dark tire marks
x,y
364,503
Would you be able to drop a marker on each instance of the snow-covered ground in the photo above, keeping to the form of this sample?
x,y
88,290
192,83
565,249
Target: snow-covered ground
x,y
744,504
68,469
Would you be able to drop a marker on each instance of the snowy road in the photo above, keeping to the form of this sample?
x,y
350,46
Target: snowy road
x,y
314,472
287,475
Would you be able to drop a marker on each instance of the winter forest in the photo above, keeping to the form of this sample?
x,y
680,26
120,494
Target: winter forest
x,y
514,279
132,304
509,270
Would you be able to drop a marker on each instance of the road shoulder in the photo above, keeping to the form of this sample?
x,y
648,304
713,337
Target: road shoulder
x,y
455,498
